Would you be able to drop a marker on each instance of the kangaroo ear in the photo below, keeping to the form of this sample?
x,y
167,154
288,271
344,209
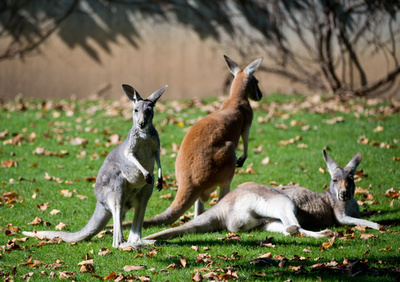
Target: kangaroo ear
x,y
156,95
233,67
131,93
252,67
355,161
331,164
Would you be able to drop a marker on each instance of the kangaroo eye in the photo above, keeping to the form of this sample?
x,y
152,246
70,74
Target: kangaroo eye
x,y
136,110
334,180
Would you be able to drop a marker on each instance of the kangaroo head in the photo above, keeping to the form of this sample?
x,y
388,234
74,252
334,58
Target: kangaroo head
x,y
342,180
251,83
143,109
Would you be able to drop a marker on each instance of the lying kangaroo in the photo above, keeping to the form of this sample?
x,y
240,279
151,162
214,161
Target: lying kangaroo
x,y
207,157
286,209
125,180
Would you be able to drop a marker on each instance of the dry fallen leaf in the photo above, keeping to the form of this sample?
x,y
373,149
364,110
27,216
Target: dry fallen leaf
x,y
378,129
385,249
60,226
115,139
102,233
368,236
134,267
104,252
66,193
166,196
89,261
151,254
302,146
231,237
333,120
250,170
16,140
326,245
66,274
79,141
9,163
110,276
197,277
4,134
127,248
265,161
290,141
183,260
43,207
54,211
87,268
36,221
82,197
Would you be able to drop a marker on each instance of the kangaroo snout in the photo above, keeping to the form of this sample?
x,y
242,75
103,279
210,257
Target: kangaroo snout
x,y
142,124
344,195
258,95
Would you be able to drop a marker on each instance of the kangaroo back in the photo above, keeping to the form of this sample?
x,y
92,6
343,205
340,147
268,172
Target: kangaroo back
x,y
207,156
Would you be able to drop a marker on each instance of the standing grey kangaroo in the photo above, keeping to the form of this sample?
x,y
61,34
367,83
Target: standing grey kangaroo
x,y
287,209
207,156
125,180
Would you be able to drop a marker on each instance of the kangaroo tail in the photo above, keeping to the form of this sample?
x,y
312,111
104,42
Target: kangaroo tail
x,y
206,222
96,223
184,199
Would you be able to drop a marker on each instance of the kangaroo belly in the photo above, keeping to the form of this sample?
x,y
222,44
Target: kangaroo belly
x,y
313,210
314,214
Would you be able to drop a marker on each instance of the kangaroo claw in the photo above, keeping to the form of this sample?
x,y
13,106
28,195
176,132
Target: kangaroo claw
x,y
240,162
159,184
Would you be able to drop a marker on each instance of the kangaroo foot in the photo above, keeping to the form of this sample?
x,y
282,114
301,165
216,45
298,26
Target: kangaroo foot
x,y
326,233
293,230
138,245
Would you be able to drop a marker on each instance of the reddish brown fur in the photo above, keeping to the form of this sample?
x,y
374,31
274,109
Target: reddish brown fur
x,y
207,157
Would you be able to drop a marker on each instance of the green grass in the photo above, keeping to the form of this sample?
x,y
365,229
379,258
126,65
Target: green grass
x,y
54,123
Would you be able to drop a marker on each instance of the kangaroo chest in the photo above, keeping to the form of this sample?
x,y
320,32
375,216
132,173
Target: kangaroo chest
x,y
139,155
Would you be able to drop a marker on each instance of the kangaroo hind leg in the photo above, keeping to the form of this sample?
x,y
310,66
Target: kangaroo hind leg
x,y
283,210
139,204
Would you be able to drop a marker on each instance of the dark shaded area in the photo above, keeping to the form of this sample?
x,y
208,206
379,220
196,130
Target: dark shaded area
x,y
331,34
30,22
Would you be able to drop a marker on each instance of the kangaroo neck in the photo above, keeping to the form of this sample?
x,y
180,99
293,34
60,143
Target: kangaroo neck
x,y
139,133
237,93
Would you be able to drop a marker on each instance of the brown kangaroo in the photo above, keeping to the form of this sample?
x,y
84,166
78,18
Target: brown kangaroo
x,y
207,156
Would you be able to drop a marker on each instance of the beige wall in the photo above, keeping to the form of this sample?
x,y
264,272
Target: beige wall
x,y
158,54
165,55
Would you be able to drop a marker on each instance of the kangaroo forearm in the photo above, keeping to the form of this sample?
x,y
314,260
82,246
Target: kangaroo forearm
x,y
135,161
358,221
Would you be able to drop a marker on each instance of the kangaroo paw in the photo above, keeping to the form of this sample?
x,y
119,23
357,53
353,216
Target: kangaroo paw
x,y
159,184
149,178
240,162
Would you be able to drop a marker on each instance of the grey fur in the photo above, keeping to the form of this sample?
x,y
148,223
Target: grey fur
x,y
287,209
125,180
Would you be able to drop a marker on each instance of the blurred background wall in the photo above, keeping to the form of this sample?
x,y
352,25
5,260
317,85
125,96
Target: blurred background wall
x,y
59,49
